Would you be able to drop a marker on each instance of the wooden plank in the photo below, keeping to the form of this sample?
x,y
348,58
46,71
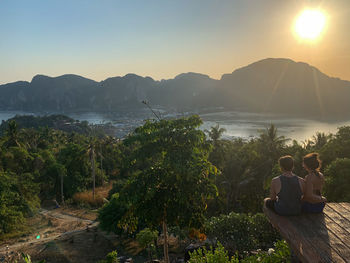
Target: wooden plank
x,y
315,230
317,237
340,232
345,206
337,214
304,249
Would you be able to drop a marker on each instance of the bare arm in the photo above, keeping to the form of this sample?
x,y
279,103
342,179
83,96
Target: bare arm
x,y
302,185
273,190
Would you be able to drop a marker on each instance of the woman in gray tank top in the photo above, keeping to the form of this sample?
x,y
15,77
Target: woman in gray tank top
x,y
286,190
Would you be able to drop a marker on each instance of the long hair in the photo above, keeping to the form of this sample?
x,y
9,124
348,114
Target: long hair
x,y
313,162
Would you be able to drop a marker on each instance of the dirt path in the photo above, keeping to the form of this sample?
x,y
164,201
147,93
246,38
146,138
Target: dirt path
x,y
60,224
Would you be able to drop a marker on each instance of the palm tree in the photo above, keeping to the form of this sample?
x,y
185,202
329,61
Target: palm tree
x,y
12,134
271,147
271,142
319,140
215,133
91,153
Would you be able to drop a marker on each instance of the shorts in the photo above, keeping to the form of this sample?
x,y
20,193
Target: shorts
x,y
307,207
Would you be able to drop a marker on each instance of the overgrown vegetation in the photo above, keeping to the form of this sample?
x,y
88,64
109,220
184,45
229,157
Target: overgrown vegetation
x,y
240,232
167,175
279,254
45,164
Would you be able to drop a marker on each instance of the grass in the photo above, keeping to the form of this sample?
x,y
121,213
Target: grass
x,y
86,198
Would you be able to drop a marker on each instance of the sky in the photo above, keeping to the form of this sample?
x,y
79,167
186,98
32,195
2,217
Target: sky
x,y
163,38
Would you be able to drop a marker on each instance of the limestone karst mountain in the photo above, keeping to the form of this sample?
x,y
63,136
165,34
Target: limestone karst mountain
x,y
271,85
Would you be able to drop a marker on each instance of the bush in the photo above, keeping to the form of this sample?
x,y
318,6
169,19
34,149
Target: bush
x,y
338,181
280,254
17,200
218,255
112,257
111,217
241,232
146,239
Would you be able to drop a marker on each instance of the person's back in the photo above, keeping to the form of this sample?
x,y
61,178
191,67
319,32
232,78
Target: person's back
x,y
313,201
286,190
317,181
289,197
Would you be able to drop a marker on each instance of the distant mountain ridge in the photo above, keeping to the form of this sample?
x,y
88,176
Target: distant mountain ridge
x,y
274,85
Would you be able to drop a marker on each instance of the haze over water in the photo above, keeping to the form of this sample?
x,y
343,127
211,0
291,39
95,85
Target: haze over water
x,y
237,124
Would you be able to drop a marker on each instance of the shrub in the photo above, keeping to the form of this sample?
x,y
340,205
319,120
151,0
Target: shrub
x,y
27,259
112,257
280,254
241,232
146,238
338,181
217,255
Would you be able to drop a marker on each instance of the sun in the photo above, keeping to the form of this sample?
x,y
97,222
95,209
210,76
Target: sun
x,y
310,24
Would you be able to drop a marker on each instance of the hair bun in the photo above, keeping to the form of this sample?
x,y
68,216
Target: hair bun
x,y
312,161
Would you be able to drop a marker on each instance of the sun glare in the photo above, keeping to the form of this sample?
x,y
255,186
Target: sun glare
x,y
310,24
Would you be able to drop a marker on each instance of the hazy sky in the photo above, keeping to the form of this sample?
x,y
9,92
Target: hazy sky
x,y
162,38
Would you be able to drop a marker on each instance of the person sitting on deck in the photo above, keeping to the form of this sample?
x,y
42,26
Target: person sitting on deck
x,y
286,190
313,201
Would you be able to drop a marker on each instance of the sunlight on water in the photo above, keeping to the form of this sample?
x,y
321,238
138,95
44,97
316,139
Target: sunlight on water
x,y
237,124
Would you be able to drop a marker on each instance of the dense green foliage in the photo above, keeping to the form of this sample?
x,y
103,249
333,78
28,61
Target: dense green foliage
x,y
34,161
58,122
147,239
170,178
247,166
112,257
338,181
280,254
241,232
217,255
164,172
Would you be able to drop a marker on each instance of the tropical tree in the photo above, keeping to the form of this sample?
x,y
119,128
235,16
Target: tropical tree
x,y
219,153
270,148
215,133
12,135
338,180
270,143
91,153
317,141
169,175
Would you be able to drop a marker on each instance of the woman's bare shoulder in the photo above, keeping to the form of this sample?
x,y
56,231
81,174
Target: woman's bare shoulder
x,y
308,177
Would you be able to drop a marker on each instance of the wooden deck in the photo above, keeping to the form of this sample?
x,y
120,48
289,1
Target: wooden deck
x,y
317,237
